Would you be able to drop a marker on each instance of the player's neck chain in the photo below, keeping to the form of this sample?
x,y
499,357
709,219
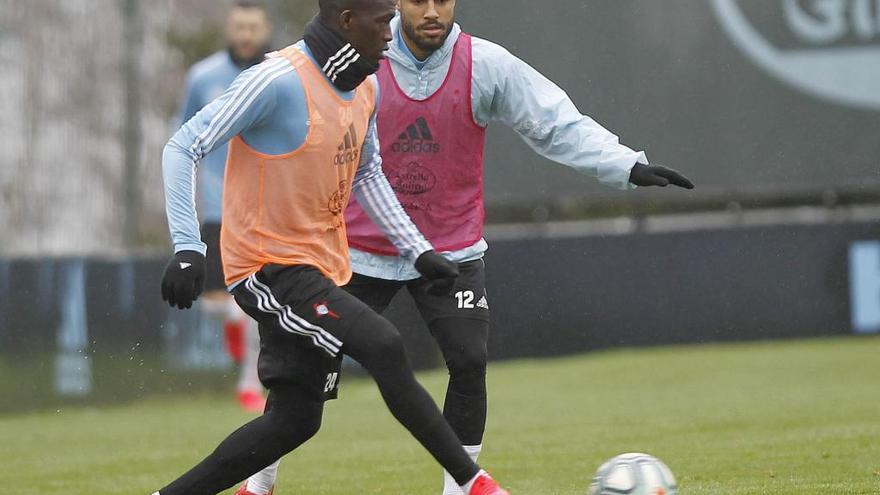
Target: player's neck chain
x,y
342,64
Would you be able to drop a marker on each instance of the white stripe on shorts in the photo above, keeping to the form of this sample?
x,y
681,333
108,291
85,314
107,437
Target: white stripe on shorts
x,y
289,320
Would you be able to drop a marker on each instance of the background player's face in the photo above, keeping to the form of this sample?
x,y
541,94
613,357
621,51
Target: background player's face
x,y
368,28
247,32
426,24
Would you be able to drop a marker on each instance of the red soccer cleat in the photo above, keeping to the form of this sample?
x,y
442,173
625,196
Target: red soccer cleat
x,y
233,331
252,401
485,485
243,490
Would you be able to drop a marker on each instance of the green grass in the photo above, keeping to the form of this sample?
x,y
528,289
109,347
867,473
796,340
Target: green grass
x,y
786,418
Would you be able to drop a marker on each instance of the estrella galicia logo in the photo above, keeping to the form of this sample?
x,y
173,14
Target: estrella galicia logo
x,y
829,49
412,179
416,139
348,151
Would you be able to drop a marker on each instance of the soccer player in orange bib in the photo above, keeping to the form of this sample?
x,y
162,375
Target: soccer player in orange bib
x,y
302,139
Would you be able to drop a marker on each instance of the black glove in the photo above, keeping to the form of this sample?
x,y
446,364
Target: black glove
x,y
655,175
184,279
440,271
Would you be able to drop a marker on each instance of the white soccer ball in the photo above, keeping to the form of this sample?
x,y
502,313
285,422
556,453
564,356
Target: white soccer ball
x,y
633,474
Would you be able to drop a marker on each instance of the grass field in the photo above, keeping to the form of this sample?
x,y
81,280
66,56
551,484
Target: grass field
x,y
786,418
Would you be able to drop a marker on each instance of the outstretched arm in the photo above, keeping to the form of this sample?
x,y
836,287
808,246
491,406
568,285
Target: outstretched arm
x,y
514,93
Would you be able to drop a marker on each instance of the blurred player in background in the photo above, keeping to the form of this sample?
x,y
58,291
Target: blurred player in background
x,y
440,88
302,134
248,34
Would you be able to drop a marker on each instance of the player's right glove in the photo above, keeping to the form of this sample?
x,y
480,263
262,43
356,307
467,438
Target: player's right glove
x,y
439,270
184,279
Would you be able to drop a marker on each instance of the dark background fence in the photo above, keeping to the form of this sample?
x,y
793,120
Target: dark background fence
x,y
95,330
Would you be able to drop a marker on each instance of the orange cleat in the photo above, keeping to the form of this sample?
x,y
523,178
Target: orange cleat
x,y
244,491
252,401
485,485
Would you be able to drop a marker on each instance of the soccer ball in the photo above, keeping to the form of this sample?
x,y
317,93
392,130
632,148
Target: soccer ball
x,y
633,474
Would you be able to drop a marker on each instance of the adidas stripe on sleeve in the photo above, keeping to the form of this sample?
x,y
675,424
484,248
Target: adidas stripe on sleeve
x,y
245,103
374,193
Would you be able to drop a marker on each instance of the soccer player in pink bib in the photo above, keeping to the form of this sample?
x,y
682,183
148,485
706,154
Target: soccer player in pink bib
x,y
440,89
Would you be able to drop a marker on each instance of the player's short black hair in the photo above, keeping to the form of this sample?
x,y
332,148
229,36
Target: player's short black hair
x,y
329,8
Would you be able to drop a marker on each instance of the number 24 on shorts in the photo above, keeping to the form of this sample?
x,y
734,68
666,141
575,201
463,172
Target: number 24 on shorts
x,y
332,379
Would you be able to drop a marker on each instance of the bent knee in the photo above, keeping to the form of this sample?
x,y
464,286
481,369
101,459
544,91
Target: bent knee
x,y
295,429
386,341
468,361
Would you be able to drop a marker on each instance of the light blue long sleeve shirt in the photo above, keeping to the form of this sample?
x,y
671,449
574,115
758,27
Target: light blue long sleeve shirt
x,y
205,81
266,105
507,90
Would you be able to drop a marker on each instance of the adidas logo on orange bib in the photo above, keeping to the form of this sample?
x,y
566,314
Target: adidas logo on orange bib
x,y
416,139
348,151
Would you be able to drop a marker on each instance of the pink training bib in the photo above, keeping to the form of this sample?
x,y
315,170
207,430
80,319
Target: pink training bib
x,y
432,154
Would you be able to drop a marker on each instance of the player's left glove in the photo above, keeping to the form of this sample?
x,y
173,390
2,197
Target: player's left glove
x,y
184,279
655,175
439,270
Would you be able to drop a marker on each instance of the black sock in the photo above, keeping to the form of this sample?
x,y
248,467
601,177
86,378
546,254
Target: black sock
x,y
377,345
292,416
464,345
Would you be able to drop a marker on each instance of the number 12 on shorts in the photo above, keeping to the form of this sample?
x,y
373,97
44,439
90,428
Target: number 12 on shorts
x,y
465,299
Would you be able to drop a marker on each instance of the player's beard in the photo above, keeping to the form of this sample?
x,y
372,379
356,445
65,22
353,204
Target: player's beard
x,y
422,42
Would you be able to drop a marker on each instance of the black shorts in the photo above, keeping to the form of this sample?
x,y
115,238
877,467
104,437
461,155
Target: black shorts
x,y
214,279
303,318
467,300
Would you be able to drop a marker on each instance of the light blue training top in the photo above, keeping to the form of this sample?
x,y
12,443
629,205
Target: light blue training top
x,y
266,105
205,81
